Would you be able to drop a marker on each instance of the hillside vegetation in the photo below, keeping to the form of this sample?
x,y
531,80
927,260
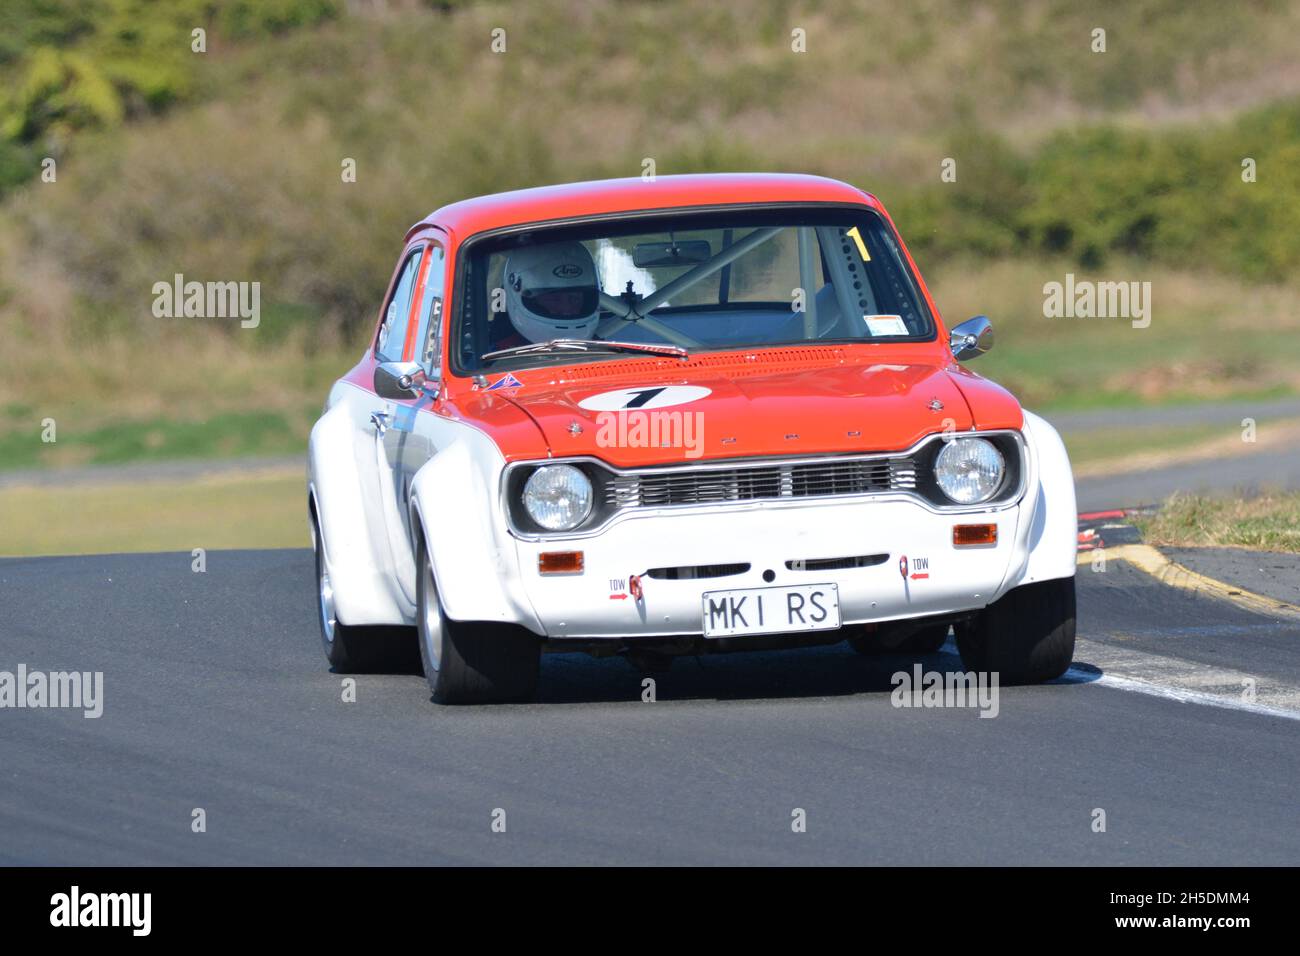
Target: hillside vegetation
x,y
226,165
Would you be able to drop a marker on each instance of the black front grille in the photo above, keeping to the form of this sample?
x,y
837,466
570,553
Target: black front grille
x,y
689,486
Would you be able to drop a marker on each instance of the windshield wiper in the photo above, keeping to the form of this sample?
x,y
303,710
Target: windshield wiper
x,y
588,345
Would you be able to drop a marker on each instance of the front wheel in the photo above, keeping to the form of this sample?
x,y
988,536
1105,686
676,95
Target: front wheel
x,y
472,662
1026,636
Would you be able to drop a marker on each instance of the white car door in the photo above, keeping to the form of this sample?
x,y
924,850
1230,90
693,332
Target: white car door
x,y
402,446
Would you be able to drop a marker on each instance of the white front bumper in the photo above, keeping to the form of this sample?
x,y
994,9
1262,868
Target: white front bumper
x,y
940,577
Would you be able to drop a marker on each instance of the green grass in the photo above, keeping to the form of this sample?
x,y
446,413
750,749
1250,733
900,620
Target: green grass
x,y
240,511
1114,367
1091,399
235,434
1265,523
1211,337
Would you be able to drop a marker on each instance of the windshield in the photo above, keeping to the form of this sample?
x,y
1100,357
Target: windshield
x,y
700,282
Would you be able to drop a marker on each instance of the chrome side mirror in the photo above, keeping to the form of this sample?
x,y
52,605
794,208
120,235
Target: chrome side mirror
x,y
972,338
399,380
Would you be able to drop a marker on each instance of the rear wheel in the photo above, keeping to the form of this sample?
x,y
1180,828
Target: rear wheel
x,y
1026,636
472,662
924,640
351,649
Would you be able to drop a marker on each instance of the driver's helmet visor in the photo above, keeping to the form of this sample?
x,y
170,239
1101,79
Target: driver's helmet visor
x,y
570,302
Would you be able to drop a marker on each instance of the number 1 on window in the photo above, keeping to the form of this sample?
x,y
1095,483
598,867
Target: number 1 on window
x,y
862,246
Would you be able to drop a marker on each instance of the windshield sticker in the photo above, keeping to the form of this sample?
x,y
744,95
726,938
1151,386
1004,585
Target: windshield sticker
x,y
862,246
505,381
885,324
650,396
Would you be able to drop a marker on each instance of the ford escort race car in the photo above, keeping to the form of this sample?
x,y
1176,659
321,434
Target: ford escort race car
x,y
687,415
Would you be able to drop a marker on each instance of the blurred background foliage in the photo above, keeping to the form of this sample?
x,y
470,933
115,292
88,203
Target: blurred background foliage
x,y
226,165
73,65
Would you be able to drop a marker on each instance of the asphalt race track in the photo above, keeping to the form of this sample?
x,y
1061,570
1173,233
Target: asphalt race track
x,y
216,695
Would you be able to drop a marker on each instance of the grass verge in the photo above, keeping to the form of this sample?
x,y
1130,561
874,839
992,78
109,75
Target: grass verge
x,y
223,436
1268,522
258,510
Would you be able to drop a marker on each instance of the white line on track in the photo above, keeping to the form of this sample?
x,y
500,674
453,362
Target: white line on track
x,y
1186,681
1224,701
1175,679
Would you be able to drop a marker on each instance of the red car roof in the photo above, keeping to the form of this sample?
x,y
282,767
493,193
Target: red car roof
x,y
573,200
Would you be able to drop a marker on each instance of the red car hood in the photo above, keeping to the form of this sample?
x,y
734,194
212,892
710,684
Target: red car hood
x,y
746,410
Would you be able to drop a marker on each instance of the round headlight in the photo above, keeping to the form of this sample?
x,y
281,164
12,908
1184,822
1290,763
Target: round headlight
x,y
969,470
558,497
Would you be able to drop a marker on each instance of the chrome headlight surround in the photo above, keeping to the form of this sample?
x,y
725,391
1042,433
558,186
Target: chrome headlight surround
x,y
557,497
969,471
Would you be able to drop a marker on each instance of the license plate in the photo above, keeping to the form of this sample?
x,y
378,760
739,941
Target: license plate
x,y
806,607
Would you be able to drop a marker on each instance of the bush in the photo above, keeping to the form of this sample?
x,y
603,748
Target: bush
x,y
1174,196
72,65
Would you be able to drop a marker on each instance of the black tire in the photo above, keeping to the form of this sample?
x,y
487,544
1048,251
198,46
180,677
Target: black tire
x,y
926,640
1026,636
359,650
472,662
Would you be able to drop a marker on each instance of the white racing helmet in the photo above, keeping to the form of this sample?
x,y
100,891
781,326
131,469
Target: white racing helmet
x,y
552,292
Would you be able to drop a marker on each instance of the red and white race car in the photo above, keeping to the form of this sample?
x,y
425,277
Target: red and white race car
x,y
693,414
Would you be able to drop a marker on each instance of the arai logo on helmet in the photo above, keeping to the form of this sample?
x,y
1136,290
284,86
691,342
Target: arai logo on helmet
x,y
568,270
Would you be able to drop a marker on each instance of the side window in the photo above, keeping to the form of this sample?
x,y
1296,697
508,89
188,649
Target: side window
x,y
428,334
392,334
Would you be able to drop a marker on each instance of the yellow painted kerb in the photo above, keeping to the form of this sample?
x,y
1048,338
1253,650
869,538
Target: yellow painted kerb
x,y
1146,558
